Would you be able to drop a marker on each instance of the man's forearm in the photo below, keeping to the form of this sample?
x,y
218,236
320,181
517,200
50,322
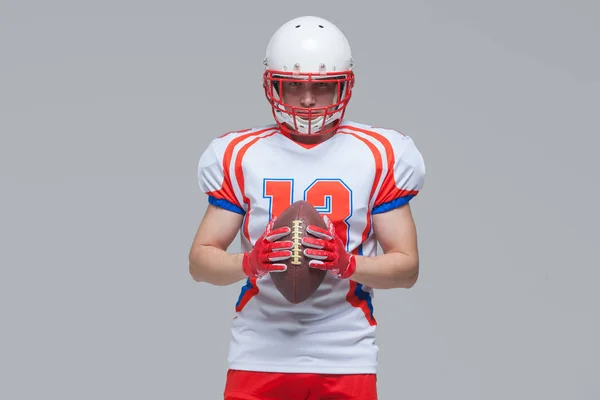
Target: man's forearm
x,y
215,266
387,271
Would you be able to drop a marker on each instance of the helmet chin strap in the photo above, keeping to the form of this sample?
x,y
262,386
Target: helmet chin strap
x,y
316,123
301,125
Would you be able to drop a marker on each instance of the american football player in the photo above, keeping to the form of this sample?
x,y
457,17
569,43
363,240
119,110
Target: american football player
x,y
361,178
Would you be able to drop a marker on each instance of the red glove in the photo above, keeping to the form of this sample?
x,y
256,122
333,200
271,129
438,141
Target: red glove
x,y
327,251
267,251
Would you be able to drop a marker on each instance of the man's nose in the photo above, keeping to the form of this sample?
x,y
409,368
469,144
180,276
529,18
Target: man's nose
x,y
307,100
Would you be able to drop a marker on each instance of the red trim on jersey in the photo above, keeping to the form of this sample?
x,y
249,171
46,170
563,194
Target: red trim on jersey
x,y
226,192
229,133
357,302
378,170
251,288
389,191
248,294
239,175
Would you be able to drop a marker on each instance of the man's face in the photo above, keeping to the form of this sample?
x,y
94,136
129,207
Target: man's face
x,y
312,94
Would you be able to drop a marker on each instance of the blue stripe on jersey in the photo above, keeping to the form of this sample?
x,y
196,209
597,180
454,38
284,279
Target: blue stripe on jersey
x,y
364,296
359,292
227,205
390,205
245,288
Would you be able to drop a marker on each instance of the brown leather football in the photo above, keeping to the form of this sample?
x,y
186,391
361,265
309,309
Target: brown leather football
x,y
300,281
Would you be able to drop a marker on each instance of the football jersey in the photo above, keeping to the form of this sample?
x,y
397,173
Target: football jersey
x,y
360,171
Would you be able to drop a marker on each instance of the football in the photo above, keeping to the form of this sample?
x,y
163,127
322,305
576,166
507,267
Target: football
x,y
299,281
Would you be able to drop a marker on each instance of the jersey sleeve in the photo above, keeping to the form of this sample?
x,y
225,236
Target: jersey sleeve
x,y
405,175
215,180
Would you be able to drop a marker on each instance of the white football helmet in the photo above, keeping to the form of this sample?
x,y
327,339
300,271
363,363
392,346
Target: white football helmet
x,y
308,49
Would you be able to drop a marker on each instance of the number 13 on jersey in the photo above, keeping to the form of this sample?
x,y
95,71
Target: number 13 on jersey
x,y
331,197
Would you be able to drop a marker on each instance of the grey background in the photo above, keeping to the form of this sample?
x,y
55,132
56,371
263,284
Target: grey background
x,y
105,108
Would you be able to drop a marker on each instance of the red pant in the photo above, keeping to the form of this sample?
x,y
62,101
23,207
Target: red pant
x,y
248,385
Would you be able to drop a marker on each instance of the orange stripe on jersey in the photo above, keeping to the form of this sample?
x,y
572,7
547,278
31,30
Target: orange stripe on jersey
x,y
356,296
389,191
226,192
360,299
239,175
229,133
378,170
249,290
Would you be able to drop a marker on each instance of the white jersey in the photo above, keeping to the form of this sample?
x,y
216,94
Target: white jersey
x,y
359,172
